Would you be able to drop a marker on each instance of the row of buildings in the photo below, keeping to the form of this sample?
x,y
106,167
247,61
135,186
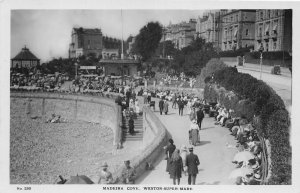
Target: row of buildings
x,y
235,29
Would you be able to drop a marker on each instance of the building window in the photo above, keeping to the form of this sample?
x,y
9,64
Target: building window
x,y
247,32
236,17
261,15
269,13
267,46
260,32
275,46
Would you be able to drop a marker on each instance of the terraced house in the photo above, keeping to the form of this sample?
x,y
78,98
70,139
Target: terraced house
x,y
238,29
181,34
90,40
273,29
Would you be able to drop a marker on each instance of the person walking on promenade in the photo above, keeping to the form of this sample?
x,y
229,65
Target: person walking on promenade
x,y
192,115
183,155
189,107
166,106
192,162
131,125
105,175
161,105
128,174
200,117
169,151
174,100
180,106
176,167
145,95
194,133
149,98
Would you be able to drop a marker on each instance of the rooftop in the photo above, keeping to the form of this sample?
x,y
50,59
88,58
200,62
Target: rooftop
x,y
87,30
25,54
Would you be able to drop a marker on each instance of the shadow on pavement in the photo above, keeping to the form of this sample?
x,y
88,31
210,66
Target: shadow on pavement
x,y
204,128
203,143
214,183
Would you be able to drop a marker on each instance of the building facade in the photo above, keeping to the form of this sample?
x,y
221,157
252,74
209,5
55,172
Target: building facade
x,y
208,27
273,30
120,67
85,41
181,34
25,59
238,29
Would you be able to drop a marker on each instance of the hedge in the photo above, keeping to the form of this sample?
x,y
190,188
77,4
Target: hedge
x,y
235,53
257,99
274,55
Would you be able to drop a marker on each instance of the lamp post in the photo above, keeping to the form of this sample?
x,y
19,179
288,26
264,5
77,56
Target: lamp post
x,y
261,49
76,64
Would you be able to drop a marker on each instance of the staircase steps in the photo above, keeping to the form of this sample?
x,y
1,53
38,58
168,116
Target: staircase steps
x,y
138,128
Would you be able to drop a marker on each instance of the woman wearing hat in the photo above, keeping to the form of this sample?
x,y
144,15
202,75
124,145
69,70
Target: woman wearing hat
x,y
105,175
183,154
169,151
194,133
176,167
128,174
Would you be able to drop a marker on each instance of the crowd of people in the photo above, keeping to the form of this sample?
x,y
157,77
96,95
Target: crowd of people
x,y
37,80
176,80
249,157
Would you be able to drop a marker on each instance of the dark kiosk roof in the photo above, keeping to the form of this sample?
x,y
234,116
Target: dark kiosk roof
x,y
25,54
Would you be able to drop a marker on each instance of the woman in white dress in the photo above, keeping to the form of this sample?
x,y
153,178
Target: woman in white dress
x,y
189,107
137,108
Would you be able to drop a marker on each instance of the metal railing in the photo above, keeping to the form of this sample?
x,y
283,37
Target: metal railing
x,y
264,162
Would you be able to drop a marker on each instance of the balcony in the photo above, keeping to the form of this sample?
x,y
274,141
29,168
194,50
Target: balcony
x,y
266,36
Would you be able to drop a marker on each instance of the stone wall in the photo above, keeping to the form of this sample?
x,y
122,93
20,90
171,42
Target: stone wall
x,y
155,138
72,107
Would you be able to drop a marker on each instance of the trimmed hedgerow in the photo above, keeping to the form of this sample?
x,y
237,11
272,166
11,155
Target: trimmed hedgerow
x,y
254,97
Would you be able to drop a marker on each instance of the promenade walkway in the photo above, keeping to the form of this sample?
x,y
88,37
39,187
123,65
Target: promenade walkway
x,y
214,154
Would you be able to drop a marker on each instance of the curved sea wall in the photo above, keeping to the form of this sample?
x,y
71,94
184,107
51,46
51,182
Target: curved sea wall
x,y
75,107
154,139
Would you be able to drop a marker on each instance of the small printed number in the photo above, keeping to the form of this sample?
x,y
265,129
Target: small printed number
x,y
27,188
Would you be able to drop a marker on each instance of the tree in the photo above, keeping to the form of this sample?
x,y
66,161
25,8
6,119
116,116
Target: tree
x,y
170,49
193,58
147,40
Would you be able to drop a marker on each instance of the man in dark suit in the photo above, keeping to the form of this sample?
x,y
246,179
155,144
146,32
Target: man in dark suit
x,y
200,116
161,105
180,106
192,162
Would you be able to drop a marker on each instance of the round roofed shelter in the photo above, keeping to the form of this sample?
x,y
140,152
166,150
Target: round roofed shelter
x,y
25,59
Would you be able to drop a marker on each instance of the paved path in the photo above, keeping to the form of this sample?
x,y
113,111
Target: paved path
x,y
215,157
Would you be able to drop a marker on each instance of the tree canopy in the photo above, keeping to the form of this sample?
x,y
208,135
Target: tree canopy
x,y
147,40
193,58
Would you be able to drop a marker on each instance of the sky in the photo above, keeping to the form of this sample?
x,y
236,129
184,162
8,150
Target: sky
x,y
47,33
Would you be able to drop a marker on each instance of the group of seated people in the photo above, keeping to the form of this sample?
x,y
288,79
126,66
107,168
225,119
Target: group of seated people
x,y
247,140
36,80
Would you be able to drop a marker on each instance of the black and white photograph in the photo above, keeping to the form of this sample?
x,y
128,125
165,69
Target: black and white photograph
x,y
148,98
